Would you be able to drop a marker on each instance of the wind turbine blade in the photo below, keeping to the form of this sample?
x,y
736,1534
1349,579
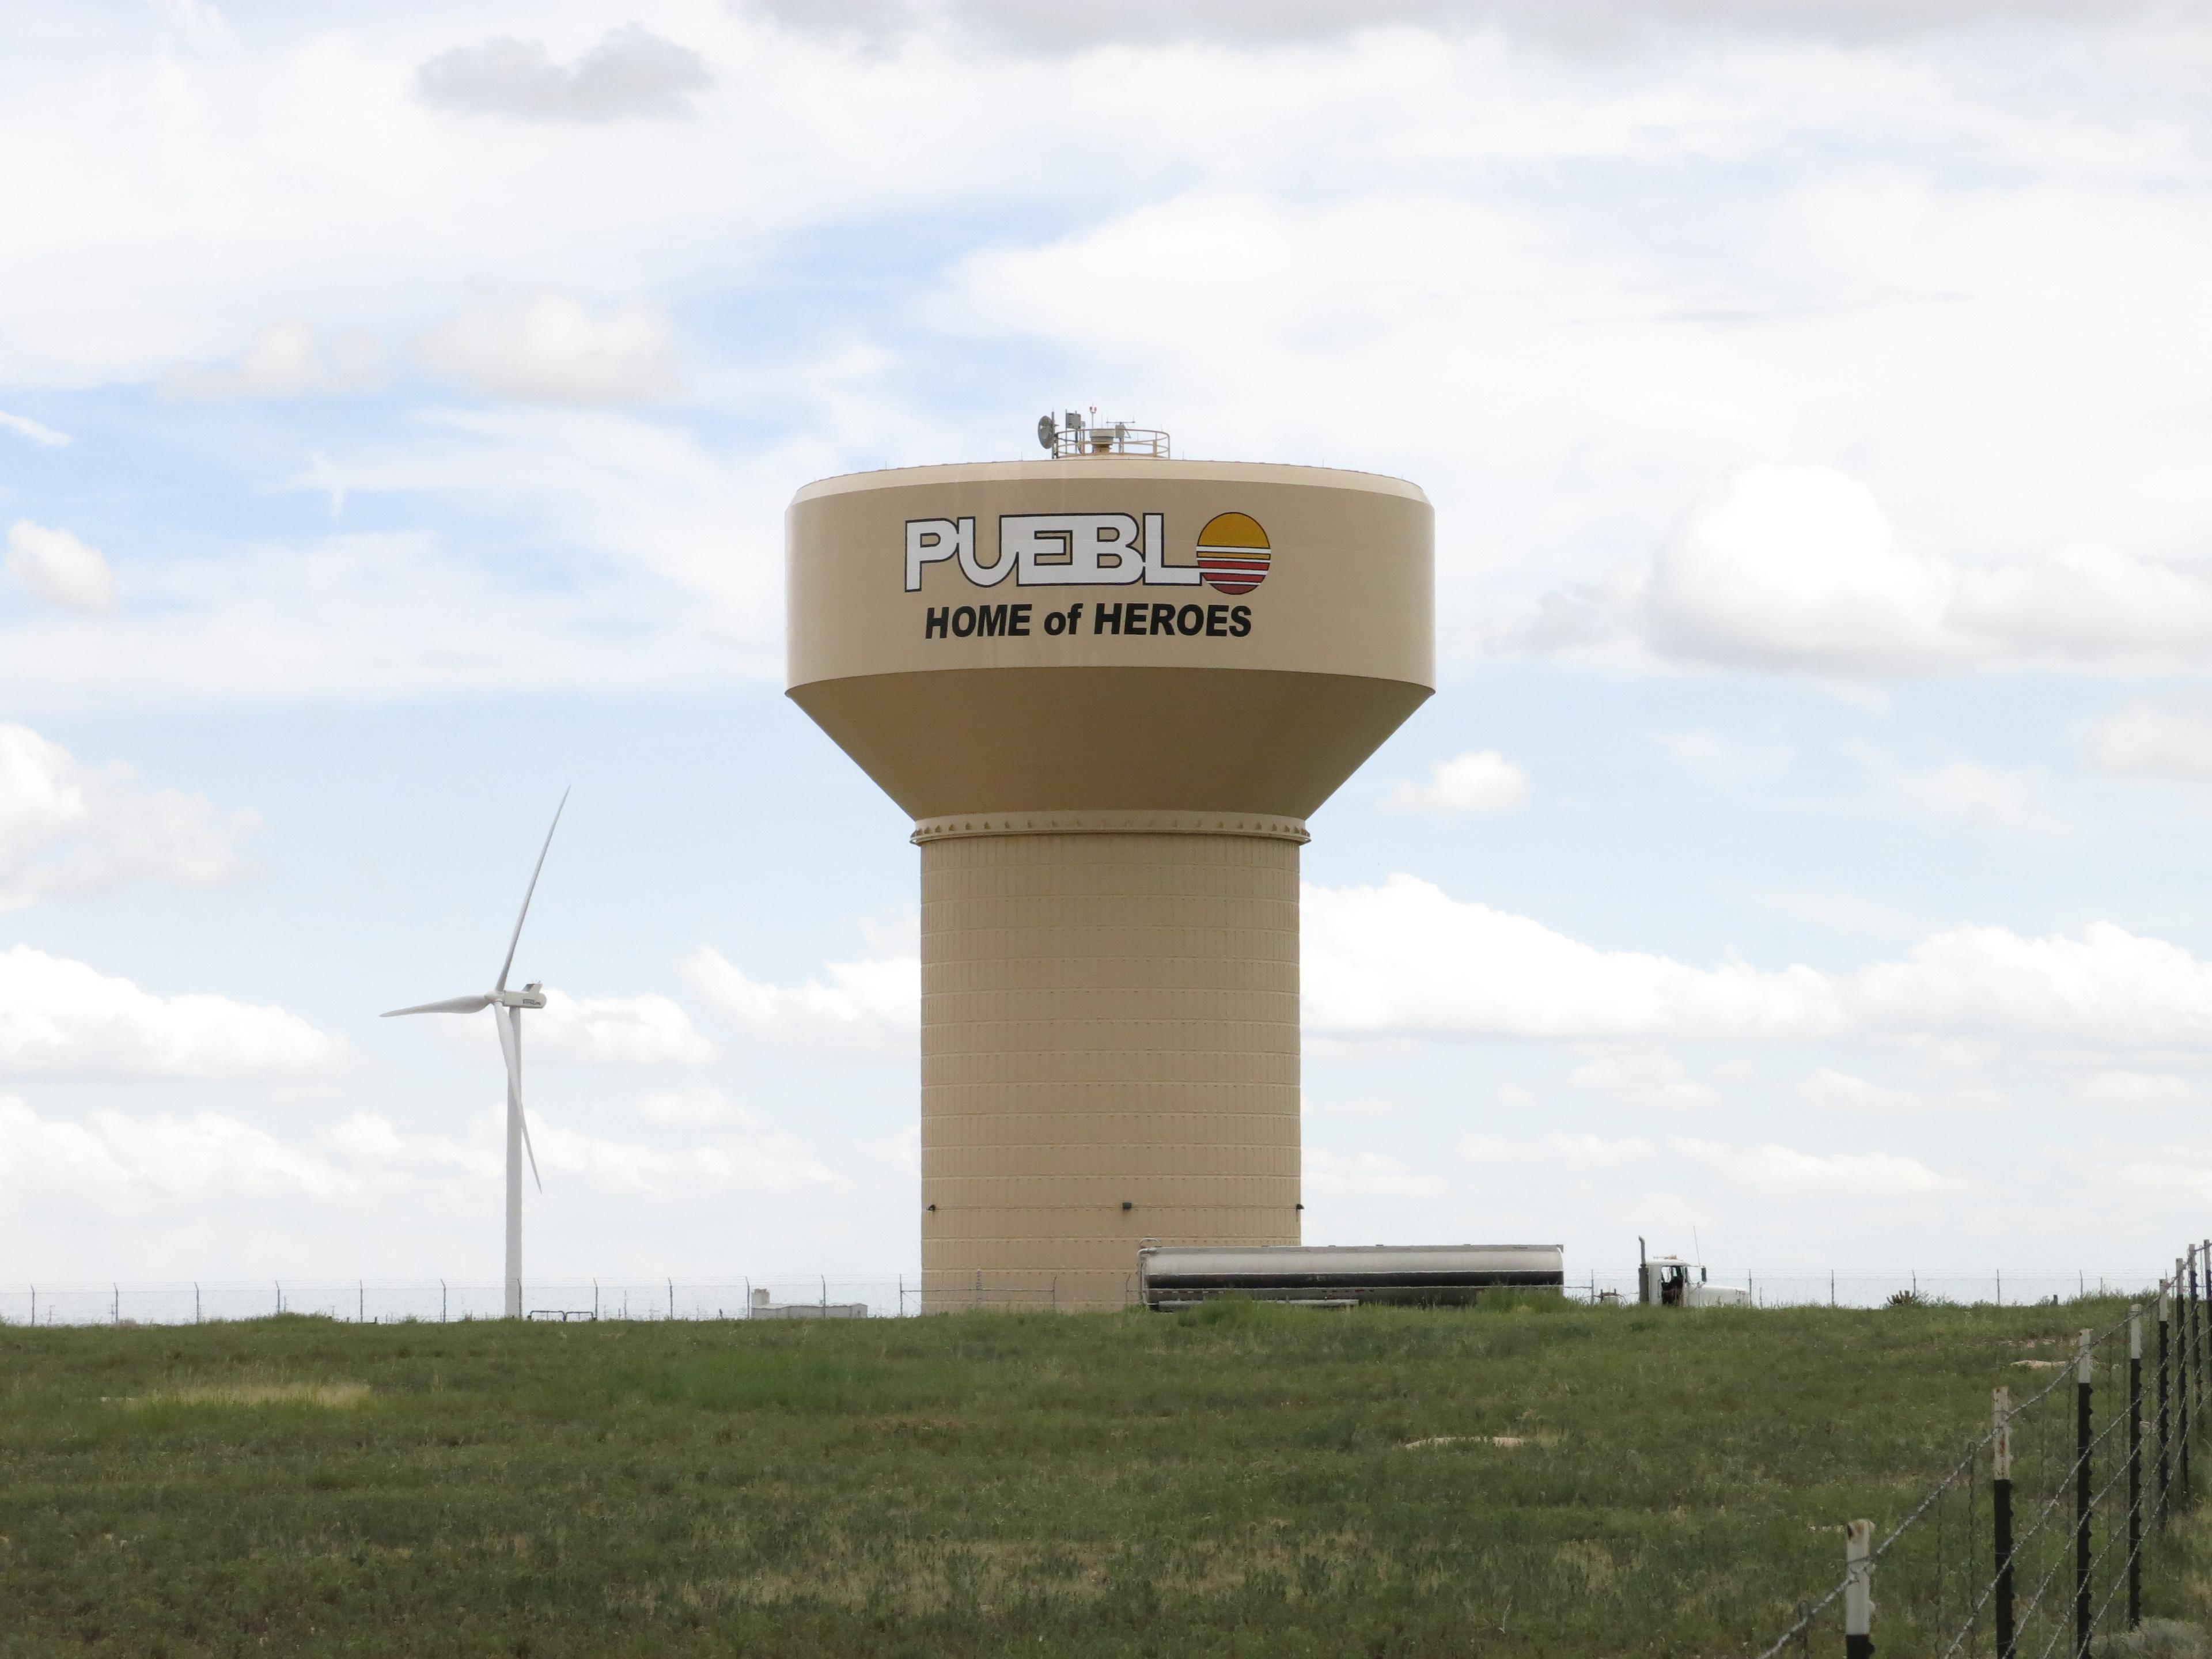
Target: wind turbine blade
x,y
505,967
510,1043
532,1150
450,1005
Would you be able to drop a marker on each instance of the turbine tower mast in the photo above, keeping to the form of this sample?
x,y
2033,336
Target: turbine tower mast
x,y
507,1008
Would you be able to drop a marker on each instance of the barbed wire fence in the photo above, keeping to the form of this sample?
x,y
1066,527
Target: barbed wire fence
x,y
2033,1546
431,1301
888,1296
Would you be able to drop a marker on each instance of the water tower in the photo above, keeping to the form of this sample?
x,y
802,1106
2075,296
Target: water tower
x,y
1109,687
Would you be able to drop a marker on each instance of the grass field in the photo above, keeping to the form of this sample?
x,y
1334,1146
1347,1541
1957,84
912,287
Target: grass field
x,y
1250,1481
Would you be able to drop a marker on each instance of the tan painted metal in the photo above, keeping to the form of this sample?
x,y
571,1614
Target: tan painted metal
x,y
1108,820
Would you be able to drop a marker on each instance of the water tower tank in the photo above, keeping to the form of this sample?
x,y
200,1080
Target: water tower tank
x,y
1109,688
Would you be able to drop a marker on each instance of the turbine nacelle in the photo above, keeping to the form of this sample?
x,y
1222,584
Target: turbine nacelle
x,y
532,996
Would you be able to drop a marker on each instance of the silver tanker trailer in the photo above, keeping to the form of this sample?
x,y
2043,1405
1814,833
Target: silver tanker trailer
x,y
1176,1276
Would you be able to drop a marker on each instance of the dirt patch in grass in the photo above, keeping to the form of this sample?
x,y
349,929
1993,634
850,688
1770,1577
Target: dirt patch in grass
x,y
332,1396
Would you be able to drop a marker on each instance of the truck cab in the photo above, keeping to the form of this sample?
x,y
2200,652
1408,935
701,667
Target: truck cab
x,y
1668,1281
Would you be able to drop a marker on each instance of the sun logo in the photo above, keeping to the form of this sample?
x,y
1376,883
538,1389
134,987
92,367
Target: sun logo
x,y
1232,552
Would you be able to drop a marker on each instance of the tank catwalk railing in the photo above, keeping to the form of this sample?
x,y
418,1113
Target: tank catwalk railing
x,y
2034,1545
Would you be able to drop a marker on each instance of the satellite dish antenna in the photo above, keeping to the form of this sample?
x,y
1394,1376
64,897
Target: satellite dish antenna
x,y
1047,434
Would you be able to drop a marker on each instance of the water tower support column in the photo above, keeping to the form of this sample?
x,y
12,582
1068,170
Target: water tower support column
x,y
1109,1046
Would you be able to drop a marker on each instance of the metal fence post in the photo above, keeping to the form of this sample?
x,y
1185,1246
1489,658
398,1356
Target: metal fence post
x,y
360,1302
2135,1467
2081,1376
1858,1591
118,1289
2204,1332
979,1287
2001,1515
2181,1381
195,1302
2184,1284
672,1298
2165,1330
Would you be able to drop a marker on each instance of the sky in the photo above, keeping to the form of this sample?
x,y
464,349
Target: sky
x,y
1802,854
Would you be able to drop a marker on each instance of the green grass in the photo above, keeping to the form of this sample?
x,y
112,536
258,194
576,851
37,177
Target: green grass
x,y
1238,1481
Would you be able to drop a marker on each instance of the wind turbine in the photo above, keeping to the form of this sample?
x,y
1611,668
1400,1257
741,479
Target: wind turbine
x,y
507,1008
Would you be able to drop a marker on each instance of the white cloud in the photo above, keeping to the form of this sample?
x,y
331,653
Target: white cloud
x,y
1797,569
381,618
694,1109
1367,1174
1844,913
1480,780
66,828
61,1018
1846,1091
1967,791
60,568
1585,1152
1604,28
550,347
871,1002
2146,741
367,1137
631,72
1405,958
770,1160
113,1156
1656,1079
1784,1171
1369,1108
37,431
1718,757
902,1148
2175,1177
2130,1089
287,360
640,1030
